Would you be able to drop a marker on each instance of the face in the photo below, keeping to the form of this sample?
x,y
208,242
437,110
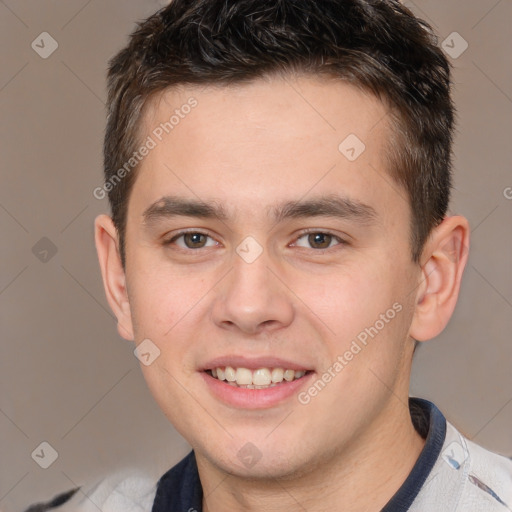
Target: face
x,y
264,247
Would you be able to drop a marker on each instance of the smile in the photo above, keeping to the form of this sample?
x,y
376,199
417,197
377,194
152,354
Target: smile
x,y
260,378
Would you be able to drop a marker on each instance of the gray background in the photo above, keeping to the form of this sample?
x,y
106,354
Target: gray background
x,y
67,378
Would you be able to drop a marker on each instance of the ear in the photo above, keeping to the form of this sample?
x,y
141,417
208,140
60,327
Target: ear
x,y
443,260
112,272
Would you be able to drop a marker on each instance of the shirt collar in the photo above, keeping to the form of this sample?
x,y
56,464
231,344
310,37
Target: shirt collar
x,y
180,489
430,423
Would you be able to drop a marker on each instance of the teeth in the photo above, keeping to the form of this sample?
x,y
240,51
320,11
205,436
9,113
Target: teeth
x,y
257,379
230,374
277,375
261,377
289,375
243,376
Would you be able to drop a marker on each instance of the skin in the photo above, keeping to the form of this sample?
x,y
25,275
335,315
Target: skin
x,y
250,147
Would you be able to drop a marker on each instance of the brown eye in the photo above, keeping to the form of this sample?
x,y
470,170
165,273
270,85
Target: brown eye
x,y
191,240
319,240
194,240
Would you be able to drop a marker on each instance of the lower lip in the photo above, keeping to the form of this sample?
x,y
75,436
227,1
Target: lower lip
x,y
255,398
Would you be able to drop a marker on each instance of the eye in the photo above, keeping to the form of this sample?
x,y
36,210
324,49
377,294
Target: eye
x,y
191,240
319,240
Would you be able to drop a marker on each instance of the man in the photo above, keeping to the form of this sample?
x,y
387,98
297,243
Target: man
x,y
279,175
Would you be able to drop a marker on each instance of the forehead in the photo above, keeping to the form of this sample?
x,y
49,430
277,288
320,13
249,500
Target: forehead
x,y
257,143
326,107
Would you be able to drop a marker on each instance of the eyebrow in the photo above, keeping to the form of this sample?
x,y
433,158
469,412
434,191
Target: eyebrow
x,y
324,206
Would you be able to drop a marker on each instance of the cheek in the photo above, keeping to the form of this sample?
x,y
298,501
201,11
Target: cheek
x,y
170,310
364,313
159,298
347,300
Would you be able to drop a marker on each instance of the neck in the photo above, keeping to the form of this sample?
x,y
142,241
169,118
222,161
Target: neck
x,y
361,478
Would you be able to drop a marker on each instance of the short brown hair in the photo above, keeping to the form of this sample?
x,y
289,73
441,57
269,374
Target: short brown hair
x,y
377,45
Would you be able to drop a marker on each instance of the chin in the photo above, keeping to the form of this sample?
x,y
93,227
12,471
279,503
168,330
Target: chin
x,y
263,461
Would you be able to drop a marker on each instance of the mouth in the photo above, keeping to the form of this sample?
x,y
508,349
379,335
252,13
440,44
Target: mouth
x,y
259,378
243,382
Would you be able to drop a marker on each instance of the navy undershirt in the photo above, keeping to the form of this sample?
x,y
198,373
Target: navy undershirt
x,y
179,490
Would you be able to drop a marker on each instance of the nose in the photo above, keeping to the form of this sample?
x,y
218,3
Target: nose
x,y
252,298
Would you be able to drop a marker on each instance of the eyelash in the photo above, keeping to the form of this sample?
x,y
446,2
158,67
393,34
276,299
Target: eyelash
x,y
341,241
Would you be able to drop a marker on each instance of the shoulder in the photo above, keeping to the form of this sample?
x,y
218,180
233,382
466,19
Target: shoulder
x,y
467,476
129,490
489,476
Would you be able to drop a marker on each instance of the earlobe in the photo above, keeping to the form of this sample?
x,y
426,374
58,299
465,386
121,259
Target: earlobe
x,y
443,260
112,272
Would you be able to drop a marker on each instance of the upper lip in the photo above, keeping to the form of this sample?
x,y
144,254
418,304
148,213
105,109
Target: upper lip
x,y
254,363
